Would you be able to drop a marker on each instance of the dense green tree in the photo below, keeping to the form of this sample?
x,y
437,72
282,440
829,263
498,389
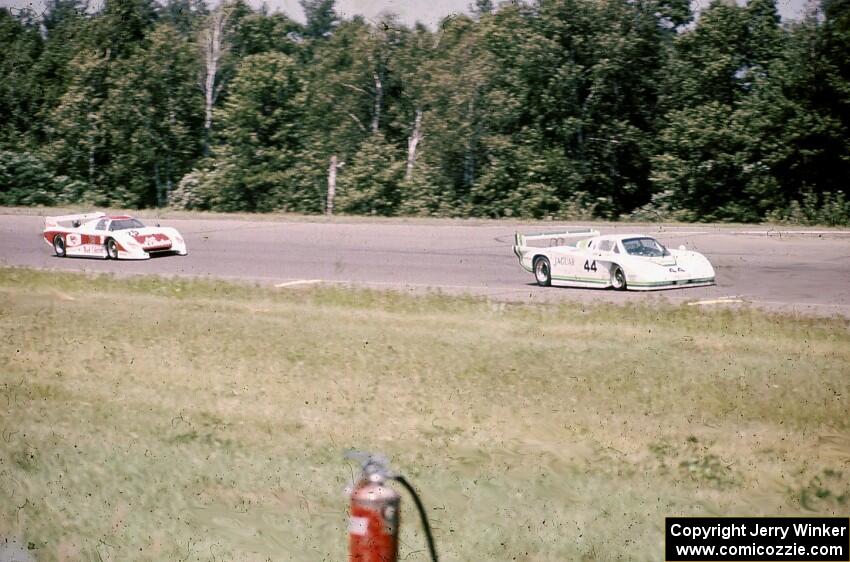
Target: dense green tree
x,y
725,146
255,33
21,45
77,140
67,26
25,180
58,13
261,136
321,17
532,109
709,170
707,61
816,78
186,16
355,82
453,122
154,110
547,81
370,184
122,26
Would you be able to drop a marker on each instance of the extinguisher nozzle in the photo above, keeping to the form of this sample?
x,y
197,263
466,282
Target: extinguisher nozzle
x,y
370,463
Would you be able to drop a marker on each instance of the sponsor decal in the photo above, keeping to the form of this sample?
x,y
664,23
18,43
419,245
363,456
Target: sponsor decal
x,y
72,240
153,241
358,526
89,250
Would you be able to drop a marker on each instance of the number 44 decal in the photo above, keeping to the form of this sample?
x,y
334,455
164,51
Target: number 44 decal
x,y
590,266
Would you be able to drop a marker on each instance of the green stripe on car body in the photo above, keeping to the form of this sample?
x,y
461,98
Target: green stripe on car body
x,y
670,283
560,278
580,279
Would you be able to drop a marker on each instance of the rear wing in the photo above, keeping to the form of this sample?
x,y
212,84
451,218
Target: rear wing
x,y
554,238
72,220
549,239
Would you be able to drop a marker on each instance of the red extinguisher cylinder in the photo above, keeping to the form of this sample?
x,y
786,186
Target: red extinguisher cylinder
x,y
373,527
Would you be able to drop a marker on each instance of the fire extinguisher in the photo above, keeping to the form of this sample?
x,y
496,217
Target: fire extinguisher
x,y
374,522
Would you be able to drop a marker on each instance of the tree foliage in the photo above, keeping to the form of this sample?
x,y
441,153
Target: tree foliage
x,y
555,108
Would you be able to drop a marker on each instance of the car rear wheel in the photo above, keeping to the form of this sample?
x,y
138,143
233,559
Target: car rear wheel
x,y
542,271
59,246
111,250
618,279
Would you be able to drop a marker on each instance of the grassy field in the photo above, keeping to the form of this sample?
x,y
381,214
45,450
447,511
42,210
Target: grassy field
x,y
151,419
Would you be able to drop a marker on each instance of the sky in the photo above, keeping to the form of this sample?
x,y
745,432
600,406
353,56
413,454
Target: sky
x,y
429,12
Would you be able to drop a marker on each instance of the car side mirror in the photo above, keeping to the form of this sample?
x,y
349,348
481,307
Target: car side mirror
x,y
157,224
682,247
76,224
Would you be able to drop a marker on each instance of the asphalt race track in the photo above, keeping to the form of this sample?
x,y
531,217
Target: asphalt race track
x,y
800,270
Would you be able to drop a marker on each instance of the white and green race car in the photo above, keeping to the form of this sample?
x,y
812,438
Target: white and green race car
x,y
620,261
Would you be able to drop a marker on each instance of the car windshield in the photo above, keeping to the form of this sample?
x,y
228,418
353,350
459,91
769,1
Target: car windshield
x,y
648,247
124,224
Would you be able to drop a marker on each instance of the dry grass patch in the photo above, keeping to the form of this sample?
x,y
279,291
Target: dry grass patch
x,y
151,419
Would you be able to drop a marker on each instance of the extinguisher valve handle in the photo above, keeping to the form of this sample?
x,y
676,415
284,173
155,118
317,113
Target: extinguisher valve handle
x,y
374,467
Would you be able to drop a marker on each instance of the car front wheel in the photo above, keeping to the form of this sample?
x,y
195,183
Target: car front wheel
x,y
111,250
618,279
59,246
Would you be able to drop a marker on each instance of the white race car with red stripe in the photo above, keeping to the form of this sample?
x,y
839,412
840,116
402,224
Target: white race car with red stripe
x,y
110,237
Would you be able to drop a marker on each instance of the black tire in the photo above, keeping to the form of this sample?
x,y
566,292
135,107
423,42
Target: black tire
x,y
542,271
59,246
111,249
618,278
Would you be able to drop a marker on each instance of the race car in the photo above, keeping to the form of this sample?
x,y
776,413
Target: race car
x,y
109,237
622,261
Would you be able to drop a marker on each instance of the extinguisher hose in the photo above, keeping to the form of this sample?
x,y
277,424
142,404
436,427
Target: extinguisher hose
x,y
422,515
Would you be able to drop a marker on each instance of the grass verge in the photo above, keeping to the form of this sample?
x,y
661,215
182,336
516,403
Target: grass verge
x,y
153,419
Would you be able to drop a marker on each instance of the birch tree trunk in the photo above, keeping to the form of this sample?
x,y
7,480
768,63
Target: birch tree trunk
x,y
158,184
213,46
469,159
412,142
329,208
91,164
168,185
91,152
379,95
